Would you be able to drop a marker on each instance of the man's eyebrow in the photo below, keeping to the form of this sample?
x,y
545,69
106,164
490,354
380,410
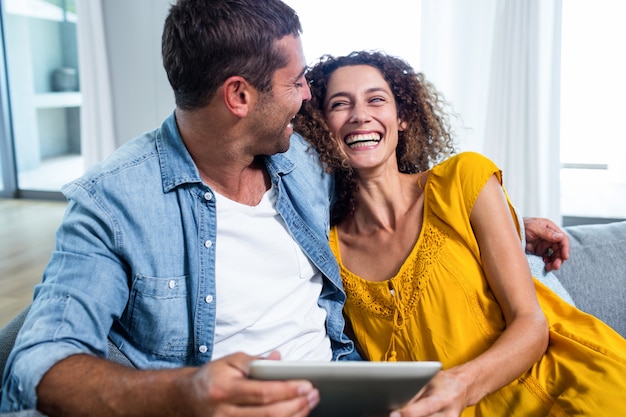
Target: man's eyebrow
x,y
304,70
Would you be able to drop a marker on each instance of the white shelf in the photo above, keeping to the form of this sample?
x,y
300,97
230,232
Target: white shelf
x,y
38,9
61,99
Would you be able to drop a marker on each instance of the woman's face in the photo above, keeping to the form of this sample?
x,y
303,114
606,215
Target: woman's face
x,y
361,113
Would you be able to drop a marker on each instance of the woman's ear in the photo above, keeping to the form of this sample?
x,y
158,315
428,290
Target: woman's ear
x,y
401,125
238,95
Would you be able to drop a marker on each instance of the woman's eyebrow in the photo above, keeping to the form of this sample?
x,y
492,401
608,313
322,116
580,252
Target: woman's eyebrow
x,y
368,91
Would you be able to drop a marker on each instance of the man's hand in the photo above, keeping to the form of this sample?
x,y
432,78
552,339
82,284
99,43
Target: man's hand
x,y
222,387
85,385
546,239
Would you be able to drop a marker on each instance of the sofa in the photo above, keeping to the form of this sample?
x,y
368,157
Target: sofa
x,y
593,279
595,274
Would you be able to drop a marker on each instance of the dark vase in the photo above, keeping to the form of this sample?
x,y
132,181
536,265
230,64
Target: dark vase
x,y
65,79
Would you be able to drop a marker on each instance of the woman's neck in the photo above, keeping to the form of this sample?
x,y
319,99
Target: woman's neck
x,y
384,201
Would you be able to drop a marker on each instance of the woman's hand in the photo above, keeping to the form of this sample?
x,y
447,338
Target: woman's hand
x,y
444,395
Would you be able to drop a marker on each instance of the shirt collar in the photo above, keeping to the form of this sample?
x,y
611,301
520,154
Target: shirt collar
x,y
177,166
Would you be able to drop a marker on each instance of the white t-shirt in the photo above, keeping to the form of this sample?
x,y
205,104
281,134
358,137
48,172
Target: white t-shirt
x,y
267,290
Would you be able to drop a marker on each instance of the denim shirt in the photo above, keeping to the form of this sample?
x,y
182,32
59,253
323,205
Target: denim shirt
x,y
134,261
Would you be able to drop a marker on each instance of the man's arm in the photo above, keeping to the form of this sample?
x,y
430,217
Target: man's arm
x,y
83,385
544,238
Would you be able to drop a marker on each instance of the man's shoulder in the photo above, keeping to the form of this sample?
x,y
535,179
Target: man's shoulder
x,y
135,159
298,140
301,151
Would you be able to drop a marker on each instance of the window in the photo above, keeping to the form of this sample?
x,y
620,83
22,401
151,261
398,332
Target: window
x,y
593,87
43,94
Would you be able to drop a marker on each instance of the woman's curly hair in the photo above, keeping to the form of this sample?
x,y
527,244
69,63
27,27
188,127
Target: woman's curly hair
x,y
426,140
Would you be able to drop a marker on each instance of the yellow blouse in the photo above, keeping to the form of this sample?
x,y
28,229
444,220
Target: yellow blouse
x,y
439,307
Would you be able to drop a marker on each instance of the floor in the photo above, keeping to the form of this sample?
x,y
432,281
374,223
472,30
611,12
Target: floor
x,y
27,231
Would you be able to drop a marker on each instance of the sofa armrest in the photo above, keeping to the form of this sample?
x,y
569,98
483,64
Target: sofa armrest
x,y
7,341
595,274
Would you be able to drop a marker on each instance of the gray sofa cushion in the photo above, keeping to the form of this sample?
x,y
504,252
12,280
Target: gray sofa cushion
x,y
7,339
595,274
549,279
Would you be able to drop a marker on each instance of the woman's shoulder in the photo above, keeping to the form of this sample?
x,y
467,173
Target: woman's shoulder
x,y
457,181
466,167
466,161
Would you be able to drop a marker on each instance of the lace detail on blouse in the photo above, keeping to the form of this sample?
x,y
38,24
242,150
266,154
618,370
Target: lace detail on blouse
x,y
402,292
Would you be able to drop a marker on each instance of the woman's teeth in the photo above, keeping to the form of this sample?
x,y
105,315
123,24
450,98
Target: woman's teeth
x,y
369,139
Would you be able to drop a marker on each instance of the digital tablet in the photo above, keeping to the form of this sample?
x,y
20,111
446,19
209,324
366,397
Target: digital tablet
x,y
353,388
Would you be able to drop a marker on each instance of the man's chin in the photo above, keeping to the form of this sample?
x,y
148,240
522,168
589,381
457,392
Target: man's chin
x,y
280,147
285,148
286,140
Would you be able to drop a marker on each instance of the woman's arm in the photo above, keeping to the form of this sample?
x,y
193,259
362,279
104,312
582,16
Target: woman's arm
x,y
525,338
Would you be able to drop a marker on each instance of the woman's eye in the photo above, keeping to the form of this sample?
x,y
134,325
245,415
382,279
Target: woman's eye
x,y
337,104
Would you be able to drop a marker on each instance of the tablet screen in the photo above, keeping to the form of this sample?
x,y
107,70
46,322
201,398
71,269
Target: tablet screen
x,y
353,388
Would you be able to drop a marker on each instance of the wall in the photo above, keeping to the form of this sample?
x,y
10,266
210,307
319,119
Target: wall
x,y
142,96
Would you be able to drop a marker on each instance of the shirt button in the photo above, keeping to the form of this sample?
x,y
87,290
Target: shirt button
x,y
208,244
208,196
203,349
208,299
171,284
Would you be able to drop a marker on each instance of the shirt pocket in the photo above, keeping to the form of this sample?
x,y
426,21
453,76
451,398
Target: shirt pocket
x,y
160,320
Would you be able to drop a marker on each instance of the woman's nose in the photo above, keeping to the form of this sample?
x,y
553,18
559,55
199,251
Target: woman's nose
x,y
359,114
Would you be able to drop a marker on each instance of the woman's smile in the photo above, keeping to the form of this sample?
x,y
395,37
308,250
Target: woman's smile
x,y
360,140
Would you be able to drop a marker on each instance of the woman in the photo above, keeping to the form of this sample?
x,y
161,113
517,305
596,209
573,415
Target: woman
x,y
431,258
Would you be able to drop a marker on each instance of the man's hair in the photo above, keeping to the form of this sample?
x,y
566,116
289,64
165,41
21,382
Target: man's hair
x,y
206,41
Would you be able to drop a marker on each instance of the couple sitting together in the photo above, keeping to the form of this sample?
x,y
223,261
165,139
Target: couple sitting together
x,y
223,236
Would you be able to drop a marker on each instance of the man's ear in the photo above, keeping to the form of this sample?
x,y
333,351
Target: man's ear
x,y
238,95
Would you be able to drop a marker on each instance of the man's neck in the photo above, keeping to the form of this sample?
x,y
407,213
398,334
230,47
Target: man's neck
x,y
246,186
222,161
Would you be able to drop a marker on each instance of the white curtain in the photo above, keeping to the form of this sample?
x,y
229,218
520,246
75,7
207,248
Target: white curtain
x,y
498,64
96,114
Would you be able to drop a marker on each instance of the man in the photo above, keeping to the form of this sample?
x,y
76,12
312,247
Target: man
x,y
194,242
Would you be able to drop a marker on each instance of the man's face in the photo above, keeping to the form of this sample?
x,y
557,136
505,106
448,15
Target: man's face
x,y
275,110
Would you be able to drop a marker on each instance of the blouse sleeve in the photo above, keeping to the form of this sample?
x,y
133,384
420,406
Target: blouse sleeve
x,y
454,186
